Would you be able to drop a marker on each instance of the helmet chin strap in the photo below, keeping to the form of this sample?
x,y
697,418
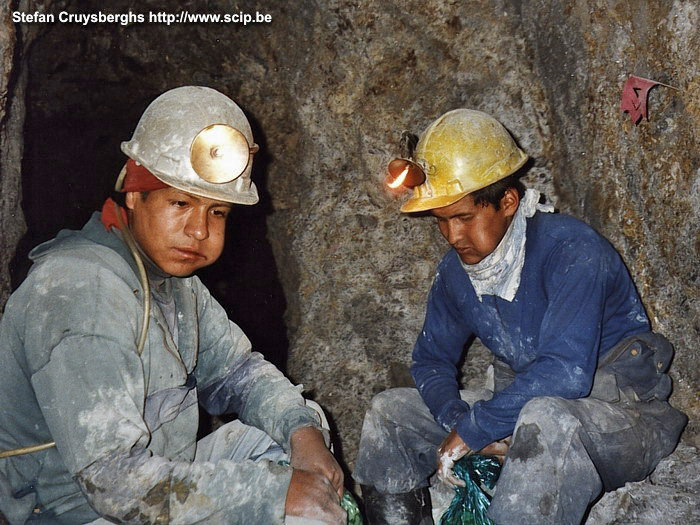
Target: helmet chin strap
x,y
143,277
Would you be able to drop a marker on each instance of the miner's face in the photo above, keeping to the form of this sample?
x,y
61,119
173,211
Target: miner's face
x,y
474,230
179,231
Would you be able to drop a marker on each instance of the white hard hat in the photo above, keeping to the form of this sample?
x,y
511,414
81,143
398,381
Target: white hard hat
x,y
198,140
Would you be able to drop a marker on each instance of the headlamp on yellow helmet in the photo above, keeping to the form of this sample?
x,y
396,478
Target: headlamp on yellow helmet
x,y
404,173
461,152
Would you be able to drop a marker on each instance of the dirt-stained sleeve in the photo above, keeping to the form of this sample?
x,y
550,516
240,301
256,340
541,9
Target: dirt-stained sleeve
x,y
89,382
137,487
233,378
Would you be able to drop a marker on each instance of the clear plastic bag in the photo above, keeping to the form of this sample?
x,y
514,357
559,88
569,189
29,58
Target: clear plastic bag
x,y
470,503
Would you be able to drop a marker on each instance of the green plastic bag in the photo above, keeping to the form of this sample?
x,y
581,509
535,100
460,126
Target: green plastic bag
x,y
350,506
470,503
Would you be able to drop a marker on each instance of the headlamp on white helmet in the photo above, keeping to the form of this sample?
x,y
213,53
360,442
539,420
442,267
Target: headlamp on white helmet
x,y
197,140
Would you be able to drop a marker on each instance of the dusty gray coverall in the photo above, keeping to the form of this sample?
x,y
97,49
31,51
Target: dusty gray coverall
x,y
125,424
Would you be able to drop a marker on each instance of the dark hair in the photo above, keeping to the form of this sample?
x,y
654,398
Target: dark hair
x,y
493,193
120,197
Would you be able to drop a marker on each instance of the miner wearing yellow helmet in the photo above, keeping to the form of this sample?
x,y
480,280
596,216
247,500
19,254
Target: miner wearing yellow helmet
x,y
110,345
578,400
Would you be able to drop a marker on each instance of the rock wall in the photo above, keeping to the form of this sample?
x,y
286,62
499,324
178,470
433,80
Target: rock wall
x,y
329,87
638,185
553,73
364,270
11,119
15,43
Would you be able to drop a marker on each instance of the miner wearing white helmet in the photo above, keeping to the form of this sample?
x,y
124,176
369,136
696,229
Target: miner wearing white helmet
x,y
578,401
110,344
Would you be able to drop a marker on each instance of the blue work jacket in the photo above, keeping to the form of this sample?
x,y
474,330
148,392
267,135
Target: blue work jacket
x,y
575,301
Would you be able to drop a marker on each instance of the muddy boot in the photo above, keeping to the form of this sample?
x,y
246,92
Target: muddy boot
x,y
409,508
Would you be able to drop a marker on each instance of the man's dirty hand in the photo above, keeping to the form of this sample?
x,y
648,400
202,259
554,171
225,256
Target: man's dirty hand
x,y
317,481
452,449
309,452
498,449
311,495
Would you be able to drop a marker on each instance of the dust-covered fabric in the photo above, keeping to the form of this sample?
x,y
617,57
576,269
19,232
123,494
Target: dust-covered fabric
x,y
499,272
399,440
575,301
125,424
580,382
563,453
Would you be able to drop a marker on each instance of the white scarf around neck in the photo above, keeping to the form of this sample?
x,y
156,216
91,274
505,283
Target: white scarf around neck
x,y
499,272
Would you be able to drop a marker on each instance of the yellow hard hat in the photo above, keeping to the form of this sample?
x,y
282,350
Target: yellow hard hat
x,y
461,152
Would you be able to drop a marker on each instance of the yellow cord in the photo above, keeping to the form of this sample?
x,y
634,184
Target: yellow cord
x,y
143,277
26,450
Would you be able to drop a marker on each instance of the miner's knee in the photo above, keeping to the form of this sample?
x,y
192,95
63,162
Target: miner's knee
x,y
388,403
542,410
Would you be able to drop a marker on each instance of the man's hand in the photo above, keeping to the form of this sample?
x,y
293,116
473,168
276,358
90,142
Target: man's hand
x,y
309,452
311,495
317,481
499,449
452,449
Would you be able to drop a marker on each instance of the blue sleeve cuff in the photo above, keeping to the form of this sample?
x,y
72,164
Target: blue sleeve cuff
x,y
471,433
451,412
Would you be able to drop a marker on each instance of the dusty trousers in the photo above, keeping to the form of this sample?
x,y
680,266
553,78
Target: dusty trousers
x,y
239,442
563,452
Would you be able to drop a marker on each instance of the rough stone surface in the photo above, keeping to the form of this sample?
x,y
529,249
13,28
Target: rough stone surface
x,y
671,495
11,118
14,46
364,285
329,87
639,186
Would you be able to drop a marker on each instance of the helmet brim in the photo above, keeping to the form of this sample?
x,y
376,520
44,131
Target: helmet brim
x,y
418,205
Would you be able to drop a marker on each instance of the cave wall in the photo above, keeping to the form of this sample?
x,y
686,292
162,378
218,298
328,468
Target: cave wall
x,y
326,259
11,123
638,185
